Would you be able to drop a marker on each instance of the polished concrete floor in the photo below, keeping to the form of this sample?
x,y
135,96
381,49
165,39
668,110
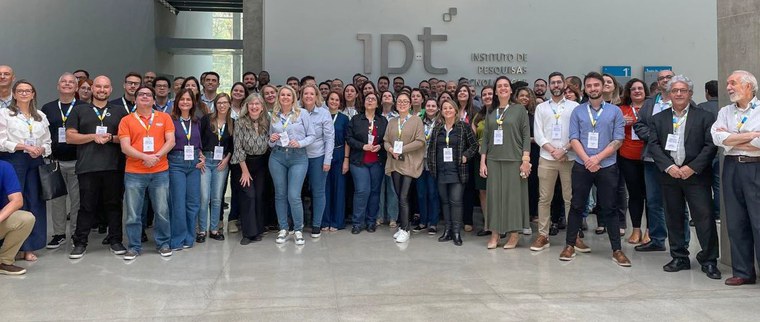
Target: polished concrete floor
x,y
368,277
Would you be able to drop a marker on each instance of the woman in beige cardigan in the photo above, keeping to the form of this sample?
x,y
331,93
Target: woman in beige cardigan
x,y
405,143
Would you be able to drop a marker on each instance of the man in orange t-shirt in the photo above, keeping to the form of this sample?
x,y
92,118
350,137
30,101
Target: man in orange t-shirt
x,y
146,137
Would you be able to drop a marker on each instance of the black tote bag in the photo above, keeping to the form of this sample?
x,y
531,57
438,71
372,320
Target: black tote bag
x,y
51,181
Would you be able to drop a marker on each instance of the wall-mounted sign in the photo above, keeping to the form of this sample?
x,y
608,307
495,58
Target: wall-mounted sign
x,y
621,73
650,73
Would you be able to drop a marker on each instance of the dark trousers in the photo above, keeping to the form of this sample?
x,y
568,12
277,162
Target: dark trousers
x,y
633,172
741,183
675,195
469,194
402,184
235,189
606,181
558,203
102,188
451,204
251,201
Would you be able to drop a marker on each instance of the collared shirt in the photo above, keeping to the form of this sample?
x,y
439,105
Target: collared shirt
x,y
5,102
299,128
660,105
350,112
209,102
730,118
165,108
14,129
545,120
610,127
679,155
324,135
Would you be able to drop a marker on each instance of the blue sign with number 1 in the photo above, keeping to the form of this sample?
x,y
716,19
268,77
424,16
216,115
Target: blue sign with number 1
x,y
617,71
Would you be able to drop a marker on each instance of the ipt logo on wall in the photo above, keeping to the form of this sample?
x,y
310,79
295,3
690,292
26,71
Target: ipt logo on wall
x,y
427,38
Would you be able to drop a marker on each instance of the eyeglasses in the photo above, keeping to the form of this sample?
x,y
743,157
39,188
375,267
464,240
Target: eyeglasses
x,y
664,77
145,94
162,86
24,91
370,99
223,103
679,91
132,83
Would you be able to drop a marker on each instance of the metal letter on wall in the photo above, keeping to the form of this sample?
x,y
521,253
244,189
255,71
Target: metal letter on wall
x,y
408,50
427,38
367,41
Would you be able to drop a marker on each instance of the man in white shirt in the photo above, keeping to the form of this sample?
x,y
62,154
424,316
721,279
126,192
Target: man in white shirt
x,y
6,81
737,130
552,126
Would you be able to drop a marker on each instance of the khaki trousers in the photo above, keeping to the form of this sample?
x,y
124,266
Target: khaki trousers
x,y
548,170
14,230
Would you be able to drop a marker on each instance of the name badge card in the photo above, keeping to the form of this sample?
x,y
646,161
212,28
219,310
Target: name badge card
x,y
148,144
370,138
448,155
284,139
593,140
556,132
218,152
30,142
498,137
398,147
189,152
672,144
61,135
100,130
634,137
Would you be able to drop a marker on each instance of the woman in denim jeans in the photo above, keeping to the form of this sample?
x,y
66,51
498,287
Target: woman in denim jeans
x,y
427,188
185,165
290,132
216,139
335,210
319,153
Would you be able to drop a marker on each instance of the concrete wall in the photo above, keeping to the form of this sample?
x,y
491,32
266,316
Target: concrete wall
x,y
571,36
44,38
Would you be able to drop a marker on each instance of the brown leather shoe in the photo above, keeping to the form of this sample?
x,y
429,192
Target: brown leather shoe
x,y
12,270
620,258
737,281
567,254
541,243
581,247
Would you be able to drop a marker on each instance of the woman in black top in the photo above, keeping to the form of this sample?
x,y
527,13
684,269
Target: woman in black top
x,y
452,145
216,143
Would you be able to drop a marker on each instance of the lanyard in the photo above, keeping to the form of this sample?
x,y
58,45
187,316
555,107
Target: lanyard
x,y
334,117
401,125
126,107
500,119
66,116
28,122
676,122
429,130
286,119
635,112
464,117
447,133
561,109
371,125
593,119
162,108
188,132
103,116
147,128
221,132
740,124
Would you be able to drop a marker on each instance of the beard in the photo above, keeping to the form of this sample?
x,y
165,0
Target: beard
x,y
557,92
735,97
594,96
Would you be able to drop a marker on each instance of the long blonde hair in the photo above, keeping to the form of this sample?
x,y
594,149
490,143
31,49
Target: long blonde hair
x,y
317,100
294,107
267,106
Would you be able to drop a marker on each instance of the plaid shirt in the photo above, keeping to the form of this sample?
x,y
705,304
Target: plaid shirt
x,y
468,143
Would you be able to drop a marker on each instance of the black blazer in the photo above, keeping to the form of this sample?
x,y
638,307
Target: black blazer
x,y
698,143
358,129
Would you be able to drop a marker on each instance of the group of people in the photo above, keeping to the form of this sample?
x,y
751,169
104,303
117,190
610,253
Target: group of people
x,y
162,156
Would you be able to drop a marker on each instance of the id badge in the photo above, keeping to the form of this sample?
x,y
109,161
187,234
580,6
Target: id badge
x,y
448,155
498,137
284,139
634,137
370,139
189,152
398,147
148,144
672,144
30,142
100,130
61,135
593,140
556,132
218,152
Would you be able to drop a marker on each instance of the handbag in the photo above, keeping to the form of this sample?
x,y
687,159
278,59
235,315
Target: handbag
x,y
51,181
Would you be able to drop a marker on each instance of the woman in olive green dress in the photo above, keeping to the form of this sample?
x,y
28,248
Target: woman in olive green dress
x,y
505,161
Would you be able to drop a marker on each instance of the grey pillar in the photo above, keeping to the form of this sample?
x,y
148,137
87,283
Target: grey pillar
x,y
253,35
738,43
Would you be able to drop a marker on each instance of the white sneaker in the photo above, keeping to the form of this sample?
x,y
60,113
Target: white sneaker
x,y
395,235
299,238
527,231
282,237
403,236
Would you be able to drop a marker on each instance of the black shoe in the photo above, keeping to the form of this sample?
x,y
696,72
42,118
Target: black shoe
x,y
78,252
257,237
200,238
712,271
418,228
218,236
677,264
56,242
118,249
561,225
144,237
483,232
245,241
107,241
432,230
457,238
553,230
446,236
102,229
356,230
600,230
371,228
649,247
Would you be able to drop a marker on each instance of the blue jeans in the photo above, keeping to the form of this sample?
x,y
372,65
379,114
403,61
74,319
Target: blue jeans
x,y
185,189
157,185
288,168
335,209
658,231
388,200
427,198
213,182
317,182
367,180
